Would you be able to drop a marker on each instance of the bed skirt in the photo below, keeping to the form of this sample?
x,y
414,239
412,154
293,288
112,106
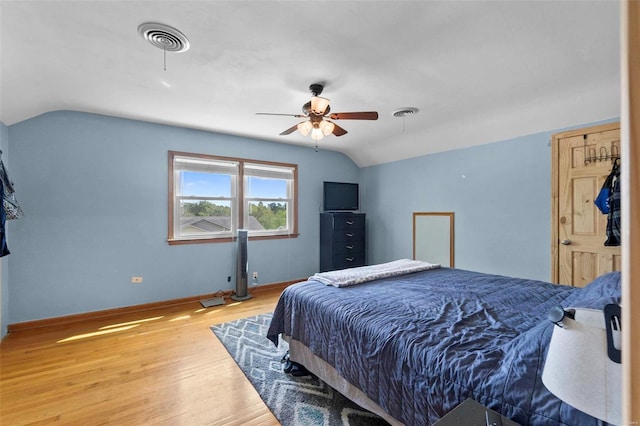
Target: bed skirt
x,y
301,354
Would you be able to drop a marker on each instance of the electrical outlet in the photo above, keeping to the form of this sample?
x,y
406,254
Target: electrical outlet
x,y
136,280
255,275
229,279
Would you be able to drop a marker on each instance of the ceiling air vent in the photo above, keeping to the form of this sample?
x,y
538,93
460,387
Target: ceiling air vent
x,y
403,112
164,37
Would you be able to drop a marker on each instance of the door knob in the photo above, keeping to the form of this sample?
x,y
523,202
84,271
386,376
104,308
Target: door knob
x,y
565,242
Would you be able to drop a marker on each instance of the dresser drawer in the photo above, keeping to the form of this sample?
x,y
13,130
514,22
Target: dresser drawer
x,y
348,261
346,235
348,222
348,248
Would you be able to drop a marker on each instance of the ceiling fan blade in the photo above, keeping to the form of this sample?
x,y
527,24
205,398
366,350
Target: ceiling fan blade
x,y
338,131
289,130
286,115
363,115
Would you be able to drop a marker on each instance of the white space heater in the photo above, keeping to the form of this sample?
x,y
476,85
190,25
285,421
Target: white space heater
x,y
242,267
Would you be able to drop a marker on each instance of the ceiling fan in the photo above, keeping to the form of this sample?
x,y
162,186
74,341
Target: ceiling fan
x,y
316,112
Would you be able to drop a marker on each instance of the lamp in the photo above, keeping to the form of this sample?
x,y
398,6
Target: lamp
x,y
318,130
326,127
319,105
583,362
316,134
305,127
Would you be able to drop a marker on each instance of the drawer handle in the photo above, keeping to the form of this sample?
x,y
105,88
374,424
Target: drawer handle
x,y
350,222
349,259
349,235
349,247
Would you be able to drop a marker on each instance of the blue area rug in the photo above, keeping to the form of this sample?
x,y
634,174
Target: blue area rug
x,y
304,401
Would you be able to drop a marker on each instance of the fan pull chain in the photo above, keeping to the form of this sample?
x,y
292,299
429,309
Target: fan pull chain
x,y
164,51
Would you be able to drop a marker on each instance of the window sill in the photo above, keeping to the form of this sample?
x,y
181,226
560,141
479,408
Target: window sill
x,y
178,242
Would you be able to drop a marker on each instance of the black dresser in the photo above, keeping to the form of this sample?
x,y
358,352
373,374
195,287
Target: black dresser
x,y
341,240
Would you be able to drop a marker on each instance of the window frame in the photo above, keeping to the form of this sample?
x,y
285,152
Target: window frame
x,y
238,201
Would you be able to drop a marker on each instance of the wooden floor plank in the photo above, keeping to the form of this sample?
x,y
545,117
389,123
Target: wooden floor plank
x,y
162,366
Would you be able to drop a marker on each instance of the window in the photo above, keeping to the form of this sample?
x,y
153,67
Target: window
x,y
211,197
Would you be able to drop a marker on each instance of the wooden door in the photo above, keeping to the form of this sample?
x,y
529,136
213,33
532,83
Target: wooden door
x,y
630,66
582,161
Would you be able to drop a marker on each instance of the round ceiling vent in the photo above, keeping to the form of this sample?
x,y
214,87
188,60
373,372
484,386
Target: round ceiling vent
x,y
403,112
164,37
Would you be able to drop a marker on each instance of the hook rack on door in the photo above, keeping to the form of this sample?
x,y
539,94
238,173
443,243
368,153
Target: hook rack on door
x,y
592,156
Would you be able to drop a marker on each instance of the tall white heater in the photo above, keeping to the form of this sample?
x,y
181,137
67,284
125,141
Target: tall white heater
x,y
242,267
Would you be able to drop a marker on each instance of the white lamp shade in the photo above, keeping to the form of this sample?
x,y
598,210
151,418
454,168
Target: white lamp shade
x,y
579,371
305,127
319,105
316,134
326,127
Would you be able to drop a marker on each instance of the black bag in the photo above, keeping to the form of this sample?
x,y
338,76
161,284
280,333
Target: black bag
x,y
602,200
10,205
613,218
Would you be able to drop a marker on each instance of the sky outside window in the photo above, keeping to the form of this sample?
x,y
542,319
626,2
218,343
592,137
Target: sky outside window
x,y
266,188
206,184
219,185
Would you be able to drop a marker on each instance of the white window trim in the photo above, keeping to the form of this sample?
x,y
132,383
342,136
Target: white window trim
x,y
271,172
239,169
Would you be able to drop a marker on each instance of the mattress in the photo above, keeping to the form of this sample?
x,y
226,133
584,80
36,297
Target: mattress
x,y
419,344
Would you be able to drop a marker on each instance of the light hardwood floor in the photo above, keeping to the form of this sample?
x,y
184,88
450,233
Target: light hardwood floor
x,y
156,367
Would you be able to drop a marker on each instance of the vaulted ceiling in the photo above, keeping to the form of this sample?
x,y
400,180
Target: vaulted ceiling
x,y
478,71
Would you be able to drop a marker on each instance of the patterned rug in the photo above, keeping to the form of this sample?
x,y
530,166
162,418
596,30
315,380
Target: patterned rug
x,y
304,401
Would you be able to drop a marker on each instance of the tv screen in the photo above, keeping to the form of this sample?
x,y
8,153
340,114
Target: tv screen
x,y
341,196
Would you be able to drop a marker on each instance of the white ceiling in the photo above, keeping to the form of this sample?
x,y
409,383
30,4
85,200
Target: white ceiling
x,y
479,71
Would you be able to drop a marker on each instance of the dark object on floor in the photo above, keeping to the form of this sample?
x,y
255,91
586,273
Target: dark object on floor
x,y
293,368
215,301
472,413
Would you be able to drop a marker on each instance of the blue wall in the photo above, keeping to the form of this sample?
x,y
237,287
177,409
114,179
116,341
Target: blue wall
x,y
4,278
500,194
94,192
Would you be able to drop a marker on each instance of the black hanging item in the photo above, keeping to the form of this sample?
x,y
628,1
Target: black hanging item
x,y
613,325
602,200
10,207
613,218
4,250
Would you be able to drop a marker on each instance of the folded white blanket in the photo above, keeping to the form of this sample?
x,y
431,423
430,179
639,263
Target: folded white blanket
x,y
351,276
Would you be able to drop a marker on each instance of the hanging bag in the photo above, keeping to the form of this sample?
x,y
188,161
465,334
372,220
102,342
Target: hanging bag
x,y
602,200
613,217
10,204
11,207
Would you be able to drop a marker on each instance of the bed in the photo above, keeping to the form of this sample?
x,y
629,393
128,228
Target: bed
x,y
411,347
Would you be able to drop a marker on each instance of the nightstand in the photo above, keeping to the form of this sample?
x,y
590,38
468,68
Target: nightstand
x,y
471,413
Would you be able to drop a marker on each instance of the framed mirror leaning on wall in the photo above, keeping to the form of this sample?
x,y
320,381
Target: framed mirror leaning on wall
x,y
433,238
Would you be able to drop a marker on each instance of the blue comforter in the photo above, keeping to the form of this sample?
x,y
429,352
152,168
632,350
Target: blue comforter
x,y
422,343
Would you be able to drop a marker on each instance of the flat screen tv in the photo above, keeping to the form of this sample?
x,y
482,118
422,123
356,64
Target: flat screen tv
x,y
340,196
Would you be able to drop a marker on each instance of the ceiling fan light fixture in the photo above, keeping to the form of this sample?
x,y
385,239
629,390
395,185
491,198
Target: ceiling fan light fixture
x,y
326,127
305,127
316,134
319,105
317,112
